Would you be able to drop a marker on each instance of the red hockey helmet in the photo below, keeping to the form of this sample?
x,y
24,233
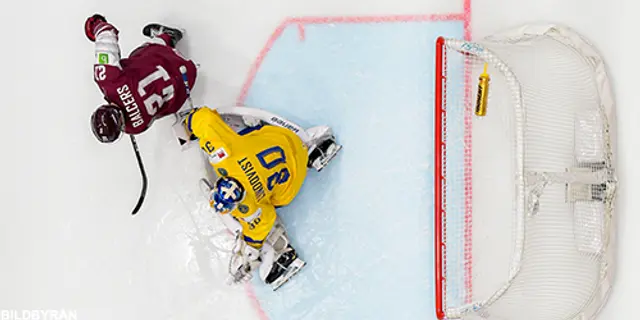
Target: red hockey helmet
x,y
107,123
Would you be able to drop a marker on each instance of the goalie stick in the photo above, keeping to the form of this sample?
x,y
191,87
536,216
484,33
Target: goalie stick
x,y
136,150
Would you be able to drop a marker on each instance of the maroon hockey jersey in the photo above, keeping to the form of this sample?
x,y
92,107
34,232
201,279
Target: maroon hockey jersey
x,y
147,86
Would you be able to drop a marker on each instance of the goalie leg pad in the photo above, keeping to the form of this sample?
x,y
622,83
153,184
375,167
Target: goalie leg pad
x,y
318,134
184,138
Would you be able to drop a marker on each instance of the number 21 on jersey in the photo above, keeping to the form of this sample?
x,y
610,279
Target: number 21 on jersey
x,y
153,101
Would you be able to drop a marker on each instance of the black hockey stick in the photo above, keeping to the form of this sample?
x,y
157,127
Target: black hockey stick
x,y
143,193
134,143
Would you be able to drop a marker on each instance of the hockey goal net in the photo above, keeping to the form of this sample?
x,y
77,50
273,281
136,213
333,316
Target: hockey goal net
x,y
524,193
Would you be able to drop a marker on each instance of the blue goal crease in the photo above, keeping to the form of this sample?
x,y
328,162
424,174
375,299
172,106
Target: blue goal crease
x,y
364,224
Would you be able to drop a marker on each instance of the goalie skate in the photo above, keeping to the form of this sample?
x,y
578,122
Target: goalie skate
x,y
322,147
321,155
294,268
287,266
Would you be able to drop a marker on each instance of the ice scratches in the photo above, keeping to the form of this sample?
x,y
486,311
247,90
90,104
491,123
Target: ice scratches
x,y
209,241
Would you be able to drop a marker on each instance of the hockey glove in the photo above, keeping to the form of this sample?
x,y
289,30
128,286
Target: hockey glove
x,y
249,254
96,24
243,261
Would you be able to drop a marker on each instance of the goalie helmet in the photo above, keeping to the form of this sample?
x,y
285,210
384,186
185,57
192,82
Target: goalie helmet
x,y
226,194
107,123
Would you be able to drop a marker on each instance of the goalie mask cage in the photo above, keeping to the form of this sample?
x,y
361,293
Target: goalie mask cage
x,y
524,194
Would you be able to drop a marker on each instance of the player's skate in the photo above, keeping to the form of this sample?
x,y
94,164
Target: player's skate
x,y
287,265
324,147
280,262
152,30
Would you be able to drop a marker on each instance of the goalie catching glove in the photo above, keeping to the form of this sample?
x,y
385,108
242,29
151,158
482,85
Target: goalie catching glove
x,y
243,261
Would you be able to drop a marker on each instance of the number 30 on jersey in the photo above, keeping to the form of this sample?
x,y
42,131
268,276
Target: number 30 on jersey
x,y
280,176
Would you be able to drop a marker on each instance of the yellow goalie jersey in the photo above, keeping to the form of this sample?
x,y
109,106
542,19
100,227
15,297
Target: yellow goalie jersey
x,y
270,162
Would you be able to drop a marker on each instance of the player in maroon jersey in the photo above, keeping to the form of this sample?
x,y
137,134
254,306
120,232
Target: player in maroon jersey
x,y
146,86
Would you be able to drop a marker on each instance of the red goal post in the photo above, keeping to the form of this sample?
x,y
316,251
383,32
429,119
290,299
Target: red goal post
x,y
524,194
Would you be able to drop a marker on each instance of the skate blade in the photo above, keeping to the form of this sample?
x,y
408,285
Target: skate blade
x,y
294,268
324,162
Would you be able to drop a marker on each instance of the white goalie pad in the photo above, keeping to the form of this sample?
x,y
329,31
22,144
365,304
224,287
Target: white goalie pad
x,y
316,138
271,260
255,115
238,118
320,141
185,140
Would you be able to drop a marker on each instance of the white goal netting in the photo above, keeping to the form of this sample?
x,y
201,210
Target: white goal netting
x,y
525,193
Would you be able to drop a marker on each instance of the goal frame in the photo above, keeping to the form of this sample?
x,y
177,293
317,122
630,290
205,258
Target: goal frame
x,y
440,171
439,177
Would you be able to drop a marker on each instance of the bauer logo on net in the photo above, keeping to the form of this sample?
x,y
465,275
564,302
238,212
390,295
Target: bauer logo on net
x,y
38,314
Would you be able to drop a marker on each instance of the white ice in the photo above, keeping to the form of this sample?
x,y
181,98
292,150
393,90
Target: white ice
x,y
67,240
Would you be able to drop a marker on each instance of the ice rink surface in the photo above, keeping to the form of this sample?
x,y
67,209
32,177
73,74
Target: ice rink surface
x,y
362,239
364,225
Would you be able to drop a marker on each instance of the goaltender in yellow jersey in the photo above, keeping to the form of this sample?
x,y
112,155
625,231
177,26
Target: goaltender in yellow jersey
x,y
261,160
270,162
